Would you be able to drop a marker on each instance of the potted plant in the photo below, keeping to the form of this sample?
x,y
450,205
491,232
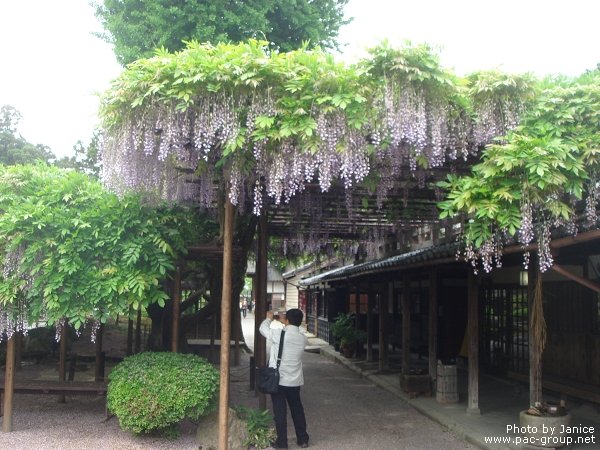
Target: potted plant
x,y
349,336
349,343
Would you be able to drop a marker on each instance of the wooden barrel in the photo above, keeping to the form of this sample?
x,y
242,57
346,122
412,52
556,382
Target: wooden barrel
x,y
446,383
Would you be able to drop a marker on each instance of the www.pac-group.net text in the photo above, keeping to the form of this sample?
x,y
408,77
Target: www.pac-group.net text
x,y
545,435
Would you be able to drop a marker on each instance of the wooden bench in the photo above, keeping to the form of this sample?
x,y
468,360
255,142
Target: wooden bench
x,y
54,387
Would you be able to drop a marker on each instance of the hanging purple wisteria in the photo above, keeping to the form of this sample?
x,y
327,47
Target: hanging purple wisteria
x,y
272,125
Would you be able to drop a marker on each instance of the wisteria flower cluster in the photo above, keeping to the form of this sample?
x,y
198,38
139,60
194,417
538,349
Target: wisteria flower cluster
x,y
264,124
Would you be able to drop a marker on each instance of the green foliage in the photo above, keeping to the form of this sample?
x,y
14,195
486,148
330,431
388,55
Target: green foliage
x,y
155,391
259,424
413,63
137,29
71,249
492,85
550,161
295,81
301,84
85,159
9,119
14,149
343,328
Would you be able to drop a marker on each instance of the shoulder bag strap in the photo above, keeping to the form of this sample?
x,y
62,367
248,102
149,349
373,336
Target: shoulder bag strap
x,y
280,348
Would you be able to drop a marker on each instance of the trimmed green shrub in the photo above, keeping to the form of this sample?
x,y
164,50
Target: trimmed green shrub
x,y
155,391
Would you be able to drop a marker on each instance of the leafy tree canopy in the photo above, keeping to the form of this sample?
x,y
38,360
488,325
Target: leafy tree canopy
x,y
137,28
69,249
542,176
14,149
85,159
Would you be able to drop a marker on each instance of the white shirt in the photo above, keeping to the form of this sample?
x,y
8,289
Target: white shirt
x,y
294,342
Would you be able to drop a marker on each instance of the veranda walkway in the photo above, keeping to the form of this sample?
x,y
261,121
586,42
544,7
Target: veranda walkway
x,y
378,409
347,412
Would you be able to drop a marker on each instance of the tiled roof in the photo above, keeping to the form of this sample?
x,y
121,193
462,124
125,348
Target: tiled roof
x,y
445,252
320,277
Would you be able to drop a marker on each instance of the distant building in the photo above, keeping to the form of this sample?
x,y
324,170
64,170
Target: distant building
x,y
275,286
294,297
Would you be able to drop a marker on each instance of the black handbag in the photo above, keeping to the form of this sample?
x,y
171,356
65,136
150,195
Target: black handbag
x,y
268,377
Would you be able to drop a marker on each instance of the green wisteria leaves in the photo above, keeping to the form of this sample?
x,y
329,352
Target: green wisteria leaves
x,y
70,249
536,175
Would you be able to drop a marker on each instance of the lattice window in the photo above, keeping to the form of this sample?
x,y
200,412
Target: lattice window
x,y
504,329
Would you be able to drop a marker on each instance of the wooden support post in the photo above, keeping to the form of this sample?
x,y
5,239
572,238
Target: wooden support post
x,y
316,313
62,358
213,333
473,336
18,349
252,373
432,334
225,325
260,350
405,325
99,365
384,361
129,350
138,331
72,366
371,302
175,309
236,320
197,326
9,384
324,303
535,362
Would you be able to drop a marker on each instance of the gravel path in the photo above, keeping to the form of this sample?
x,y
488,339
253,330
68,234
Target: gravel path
x,y
344,412
40,422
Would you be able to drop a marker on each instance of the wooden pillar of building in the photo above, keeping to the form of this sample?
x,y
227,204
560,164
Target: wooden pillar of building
x,y
432,334
236,322
9,384
473,337
370,305
225,325
99,364
175,310
324,305
386,294
62,357
129,345
316,313
138,331
405,325
260,351
213,333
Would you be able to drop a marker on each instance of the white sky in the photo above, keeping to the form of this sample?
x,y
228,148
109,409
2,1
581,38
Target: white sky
x,y
52,66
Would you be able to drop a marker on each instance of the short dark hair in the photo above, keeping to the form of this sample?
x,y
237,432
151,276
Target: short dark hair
x,y
294,316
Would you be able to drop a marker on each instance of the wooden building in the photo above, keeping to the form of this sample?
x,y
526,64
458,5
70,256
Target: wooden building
x,y
429,302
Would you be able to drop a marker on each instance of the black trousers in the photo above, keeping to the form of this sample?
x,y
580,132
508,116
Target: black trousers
x,y
291,396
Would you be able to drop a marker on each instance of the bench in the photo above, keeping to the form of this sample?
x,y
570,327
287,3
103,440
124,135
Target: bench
x,y
54,387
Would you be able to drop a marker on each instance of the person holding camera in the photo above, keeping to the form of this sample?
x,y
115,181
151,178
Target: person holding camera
x,y
291,377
